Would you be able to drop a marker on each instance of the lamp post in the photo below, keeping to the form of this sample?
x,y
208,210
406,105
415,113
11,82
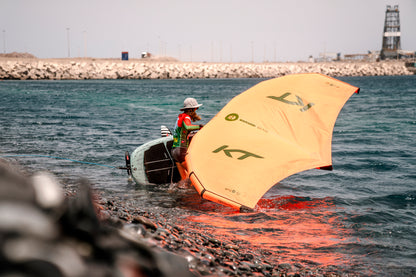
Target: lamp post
x,y
4,41
252,51
85,44
67,34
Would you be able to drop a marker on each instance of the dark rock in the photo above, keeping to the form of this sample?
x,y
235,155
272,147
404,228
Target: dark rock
x,y
145,221
230,255
215,242
232,246
136,230
285,267
244,267
247,257
69,239
21,190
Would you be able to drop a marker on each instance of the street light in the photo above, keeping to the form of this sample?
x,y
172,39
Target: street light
x,y
252,51
85,44
4,41
67,33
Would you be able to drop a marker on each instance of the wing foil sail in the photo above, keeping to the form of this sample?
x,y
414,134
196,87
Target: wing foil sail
x,y
275,129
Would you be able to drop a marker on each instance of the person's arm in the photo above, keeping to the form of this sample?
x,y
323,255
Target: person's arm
x,y
187,124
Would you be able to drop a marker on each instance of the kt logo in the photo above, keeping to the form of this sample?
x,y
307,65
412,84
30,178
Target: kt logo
x,y
244,154
298,102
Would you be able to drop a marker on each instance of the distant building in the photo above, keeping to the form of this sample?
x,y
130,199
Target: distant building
x,y
360,57
391,35
328,57
146,55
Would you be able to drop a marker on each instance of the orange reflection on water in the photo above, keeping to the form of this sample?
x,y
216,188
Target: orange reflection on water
x,y
301,230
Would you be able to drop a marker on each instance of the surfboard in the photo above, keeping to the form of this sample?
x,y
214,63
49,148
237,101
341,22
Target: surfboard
x,y
152,163
275,129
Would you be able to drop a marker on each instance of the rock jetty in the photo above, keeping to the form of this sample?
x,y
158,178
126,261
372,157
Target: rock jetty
x,y
78,69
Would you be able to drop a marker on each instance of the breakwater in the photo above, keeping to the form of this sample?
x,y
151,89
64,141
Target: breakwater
x,y
76,69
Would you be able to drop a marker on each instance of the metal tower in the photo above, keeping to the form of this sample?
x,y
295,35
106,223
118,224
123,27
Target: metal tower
x,y
391,34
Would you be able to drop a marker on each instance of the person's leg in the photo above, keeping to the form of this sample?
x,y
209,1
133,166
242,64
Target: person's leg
x,y
182,170
178,154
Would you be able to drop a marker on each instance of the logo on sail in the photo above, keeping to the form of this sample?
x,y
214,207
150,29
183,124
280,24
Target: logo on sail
x,y
232,117
298,102
244,154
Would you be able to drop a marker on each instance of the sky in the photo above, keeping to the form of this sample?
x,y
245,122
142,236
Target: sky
x,y
200,30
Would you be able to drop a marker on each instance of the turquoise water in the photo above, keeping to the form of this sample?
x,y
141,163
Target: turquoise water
x,y
360,218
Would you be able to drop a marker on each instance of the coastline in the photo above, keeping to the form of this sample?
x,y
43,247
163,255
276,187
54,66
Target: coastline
x,y
89,68
77,231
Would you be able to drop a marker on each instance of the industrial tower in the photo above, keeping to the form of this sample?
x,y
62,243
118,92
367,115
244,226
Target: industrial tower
x,y
391,34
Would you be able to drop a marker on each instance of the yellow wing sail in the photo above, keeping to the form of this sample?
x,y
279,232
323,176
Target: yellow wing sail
x,y
273,130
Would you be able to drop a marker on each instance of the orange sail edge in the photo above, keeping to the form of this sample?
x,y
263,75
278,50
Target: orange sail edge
x,y
208,195
326,167
219,199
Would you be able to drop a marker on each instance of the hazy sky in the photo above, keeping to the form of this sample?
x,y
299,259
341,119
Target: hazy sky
x,y
209,30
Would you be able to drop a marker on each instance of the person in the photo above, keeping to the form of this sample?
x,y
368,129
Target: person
x,y
181,132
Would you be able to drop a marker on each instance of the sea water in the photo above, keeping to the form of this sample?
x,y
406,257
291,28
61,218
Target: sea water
x,y
360,217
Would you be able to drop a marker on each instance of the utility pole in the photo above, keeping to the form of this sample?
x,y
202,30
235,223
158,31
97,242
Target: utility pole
x,y
220,51
252,51
212,51
67,34
85,44
274,57
4,41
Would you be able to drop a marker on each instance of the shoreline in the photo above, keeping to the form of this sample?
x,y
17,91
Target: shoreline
x,y
87,233
90,68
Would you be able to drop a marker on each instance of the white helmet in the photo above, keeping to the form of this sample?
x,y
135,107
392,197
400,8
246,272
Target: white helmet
x,y
190,103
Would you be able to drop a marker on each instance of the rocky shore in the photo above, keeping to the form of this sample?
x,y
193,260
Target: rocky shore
x,y
49,230
77,69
